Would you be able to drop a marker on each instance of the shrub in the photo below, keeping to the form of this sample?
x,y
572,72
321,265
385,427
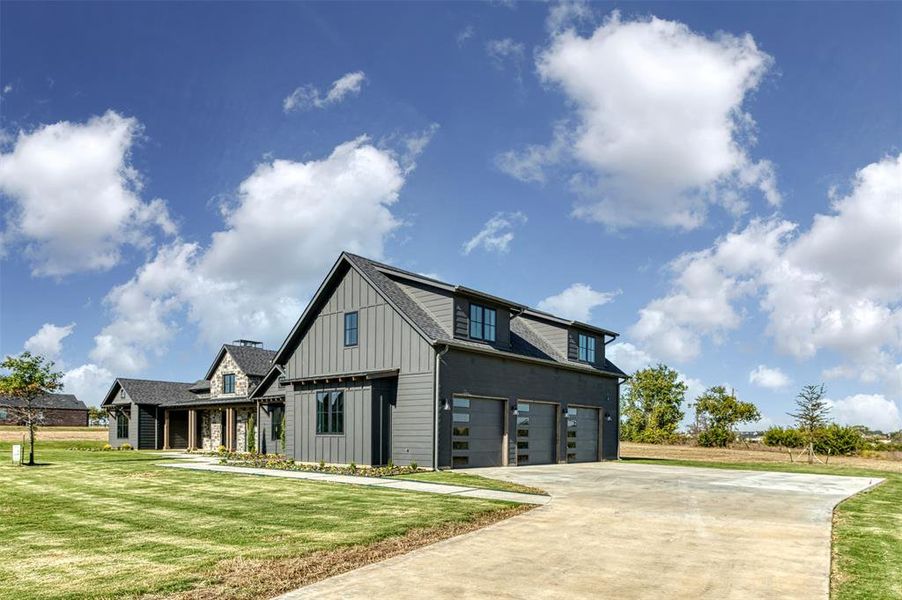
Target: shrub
x,y
836,440
251,445
106,447
125,446
353,467
715,437
221,449
780,437
322,464
413,465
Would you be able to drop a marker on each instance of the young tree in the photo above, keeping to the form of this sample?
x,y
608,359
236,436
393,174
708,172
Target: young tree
x,y
651,405
28,379
788,439
721,412
811,415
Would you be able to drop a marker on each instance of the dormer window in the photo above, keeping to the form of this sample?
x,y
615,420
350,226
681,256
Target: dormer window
x,y
586,348
482,323
228,383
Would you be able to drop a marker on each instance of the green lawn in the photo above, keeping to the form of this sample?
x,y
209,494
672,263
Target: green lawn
x,y
867,529
113,524
470,480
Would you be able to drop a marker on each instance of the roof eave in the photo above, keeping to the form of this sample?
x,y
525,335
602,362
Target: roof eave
x,y
489,351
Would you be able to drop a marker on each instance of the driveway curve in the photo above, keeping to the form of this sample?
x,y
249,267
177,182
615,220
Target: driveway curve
x,y
626,530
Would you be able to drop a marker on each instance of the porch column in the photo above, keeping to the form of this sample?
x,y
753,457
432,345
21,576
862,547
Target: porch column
x,y
166,429
192,428
230,419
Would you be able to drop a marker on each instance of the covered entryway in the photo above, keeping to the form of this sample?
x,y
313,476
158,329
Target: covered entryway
x,y
477,432
178,429
536,433
582,434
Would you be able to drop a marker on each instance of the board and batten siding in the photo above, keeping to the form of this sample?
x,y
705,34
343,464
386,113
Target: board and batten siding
x,y
354,445
437,302
413,420
385,339
132,439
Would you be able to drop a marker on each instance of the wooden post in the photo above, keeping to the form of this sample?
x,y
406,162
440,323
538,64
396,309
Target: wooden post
x,y
192,428
166,430
230,418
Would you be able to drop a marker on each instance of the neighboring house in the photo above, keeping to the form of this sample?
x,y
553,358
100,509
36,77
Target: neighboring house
x,y
387,365
211,412
55,409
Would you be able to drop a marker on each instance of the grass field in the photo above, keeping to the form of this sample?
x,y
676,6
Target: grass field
x,y
867,528
113,524
469,480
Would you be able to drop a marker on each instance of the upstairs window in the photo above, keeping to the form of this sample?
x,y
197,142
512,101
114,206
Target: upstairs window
x,y
586,348
351,329
330,412
482,323
122,425
228,383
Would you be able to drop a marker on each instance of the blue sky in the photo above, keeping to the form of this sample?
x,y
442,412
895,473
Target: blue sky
x,y
718,182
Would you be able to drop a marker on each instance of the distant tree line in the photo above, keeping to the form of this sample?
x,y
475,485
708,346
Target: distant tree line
x,y
651,412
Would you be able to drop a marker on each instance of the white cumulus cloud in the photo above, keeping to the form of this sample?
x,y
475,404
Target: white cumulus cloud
x,y
48,341
769,377
576,302
309,96
497,233
658,132
289,223
76,195
873,410
88,382
812,298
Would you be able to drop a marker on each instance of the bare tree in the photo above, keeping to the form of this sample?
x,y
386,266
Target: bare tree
x,y
28,379
811,414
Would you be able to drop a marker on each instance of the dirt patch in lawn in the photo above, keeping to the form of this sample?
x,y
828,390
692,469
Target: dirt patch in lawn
x,y
241,578
59,434
753,454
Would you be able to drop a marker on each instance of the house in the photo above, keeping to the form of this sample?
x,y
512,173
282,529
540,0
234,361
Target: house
x,y
211,412
55,409
385,365
388,365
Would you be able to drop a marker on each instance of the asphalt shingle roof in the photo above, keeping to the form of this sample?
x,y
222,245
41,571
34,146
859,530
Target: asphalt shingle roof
x,y
146,391
50,401
525,341
252,360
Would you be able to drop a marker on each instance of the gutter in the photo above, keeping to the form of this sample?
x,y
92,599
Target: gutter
x,y
435,415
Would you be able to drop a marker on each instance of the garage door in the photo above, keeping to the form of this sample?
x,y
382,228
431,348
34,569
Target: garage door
x,y
477,432
536,426
582,434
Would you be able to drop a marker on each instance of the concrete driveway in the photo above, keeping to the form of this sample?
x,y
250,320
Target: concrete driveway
x,y
626,530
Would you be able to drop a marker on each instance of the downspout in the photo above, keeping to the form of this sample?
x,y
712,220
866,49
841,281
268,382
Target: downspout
x,y
438,366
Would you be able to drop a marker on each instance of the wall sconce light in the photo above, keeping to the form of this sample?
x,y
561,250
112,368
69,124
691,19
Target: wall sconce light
x,y
445,404
608,417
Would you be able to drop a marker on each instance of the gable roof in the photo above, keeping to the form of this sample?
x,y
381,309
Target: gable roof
x,y
148,391
50,401
525,341
250,359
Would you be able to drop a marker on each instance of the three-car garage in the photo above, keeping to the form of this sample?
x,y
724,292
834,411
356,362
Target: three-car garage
x,y
481,431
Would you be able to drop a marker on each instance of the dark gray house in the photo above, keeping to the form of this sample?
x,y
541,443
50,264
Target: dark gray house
x,y
55,409
387,365
211,412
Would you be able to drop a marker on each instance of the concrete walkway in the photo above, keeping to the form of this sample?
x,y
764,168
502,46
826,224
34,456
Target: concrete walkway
x,y
627,530
206,463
